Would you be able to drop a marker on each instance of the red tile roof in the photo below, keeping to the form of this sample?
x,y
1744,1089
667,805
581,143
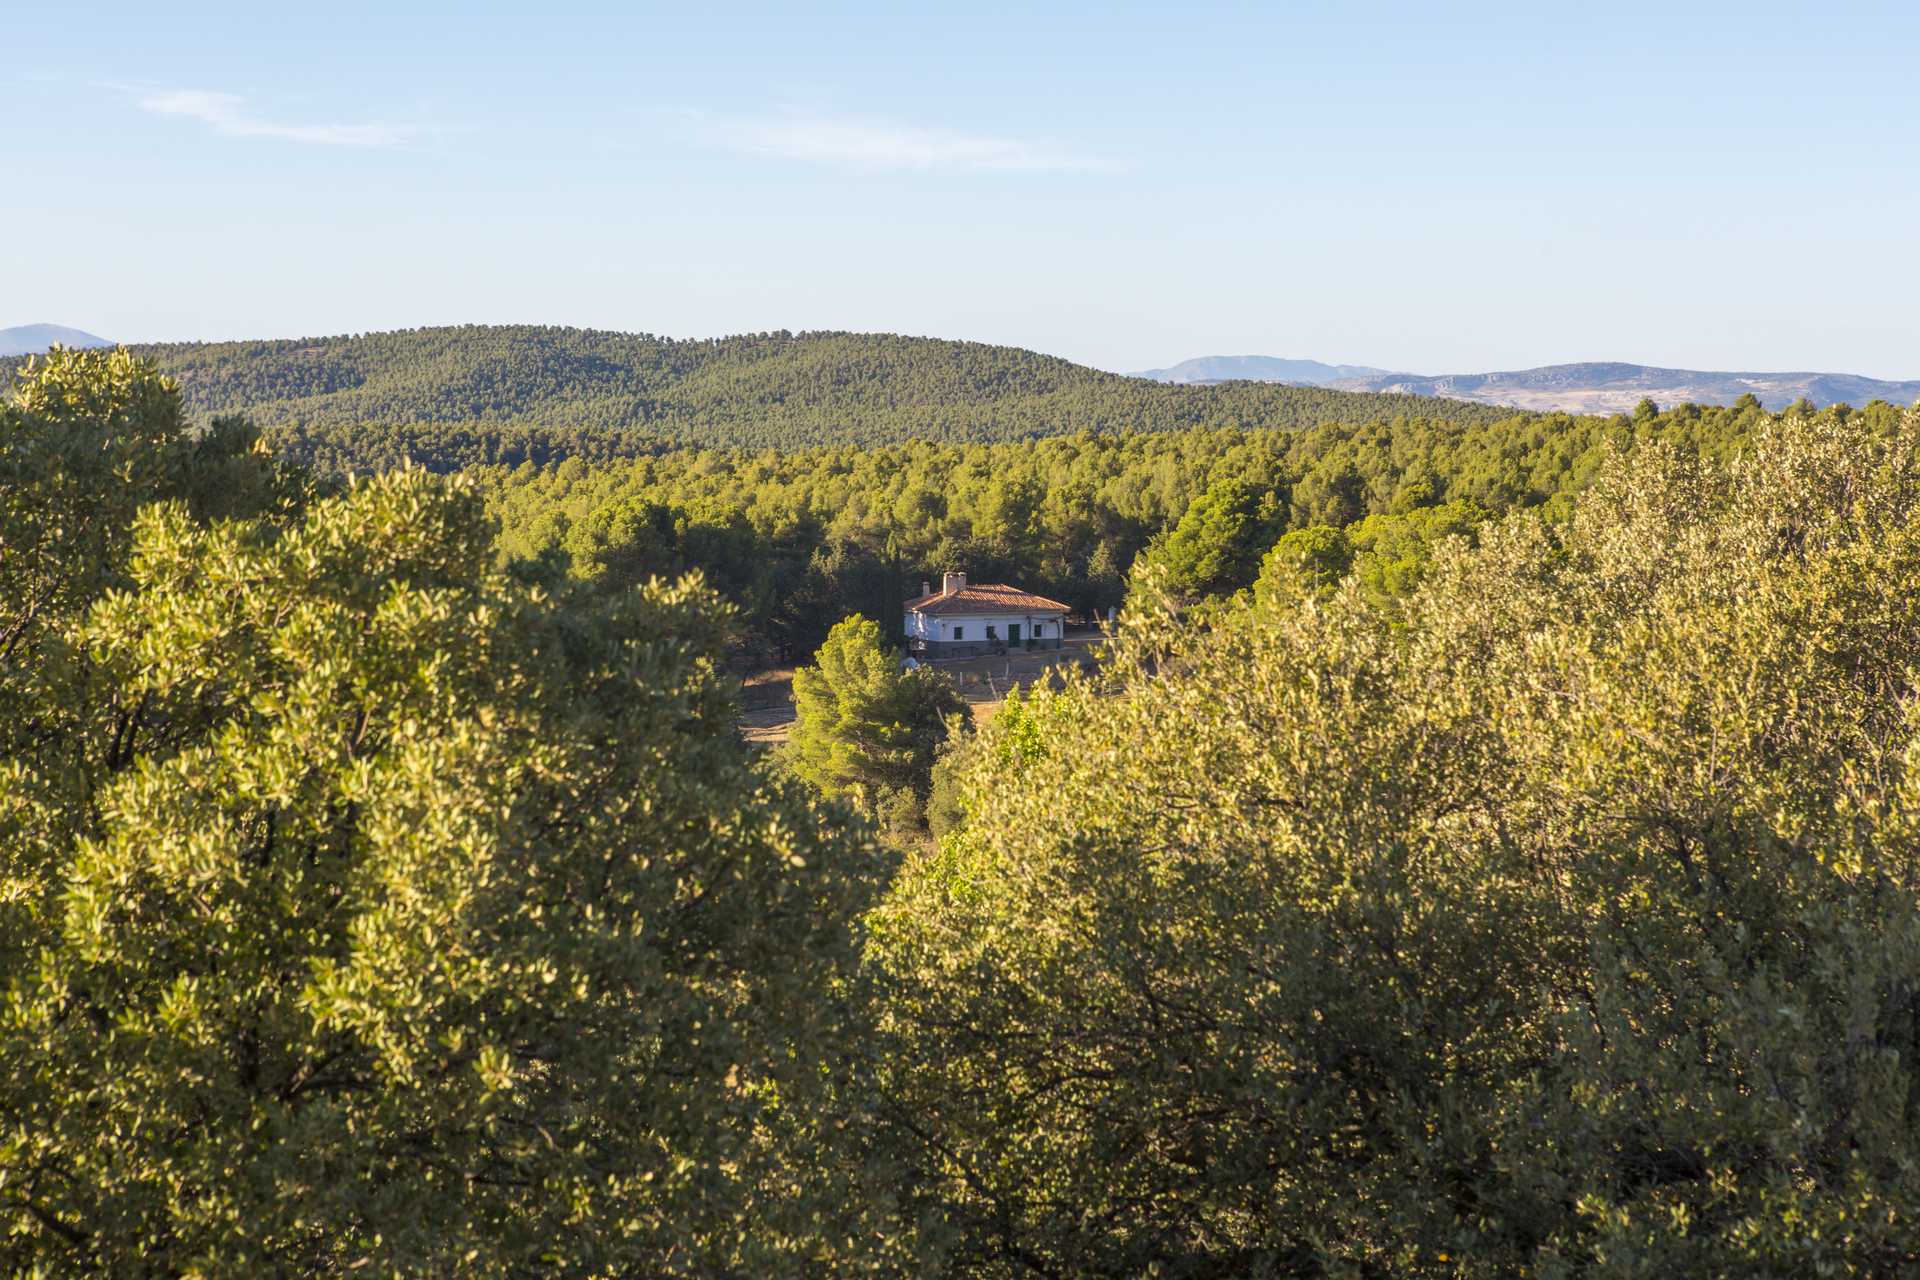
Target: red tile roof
x,y
985,597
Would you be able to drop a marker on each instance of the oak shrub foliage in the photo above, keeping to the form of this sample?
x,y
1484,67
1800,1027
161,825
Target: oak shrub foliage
x,y
1557,918
365,907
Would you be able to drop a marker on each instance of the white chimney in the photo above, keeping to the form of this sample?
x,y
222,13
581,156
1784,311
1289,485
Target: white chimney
x,y
926,588
953,582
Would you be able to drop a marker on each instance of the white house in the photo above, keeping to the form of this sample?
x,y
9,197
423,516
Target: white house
x,y
959,621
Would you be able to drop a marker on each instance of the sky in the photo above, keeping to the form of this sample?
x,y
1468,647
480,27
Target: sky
x,y
1437,187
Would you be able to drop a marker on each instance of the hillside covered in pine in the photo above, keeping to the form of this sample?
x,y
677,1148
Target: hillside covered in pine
x,y
449,397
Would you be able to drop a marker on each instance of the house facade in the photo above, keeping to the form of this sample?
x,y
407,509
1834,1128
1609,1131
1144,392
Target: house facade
x,y
962,620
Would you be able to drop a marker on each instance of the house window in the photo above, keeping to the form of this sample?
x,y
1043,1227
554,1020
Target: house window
x,y
1039,630
990,632
957,631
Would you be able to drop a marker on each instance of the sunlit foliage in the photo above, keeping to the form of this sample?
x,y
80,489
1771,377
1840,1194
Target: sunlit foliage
x,y
1557,918
363,909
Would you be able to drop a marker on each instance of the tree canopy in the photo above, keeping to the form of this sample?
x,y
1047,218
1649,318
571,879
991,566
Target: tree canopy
x,y
866,729
363,907
1216,547
798,540
1557,918
1521,878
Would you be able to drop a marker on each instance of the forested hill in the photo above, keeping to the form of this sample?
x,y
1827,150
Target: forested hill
x,y
427,387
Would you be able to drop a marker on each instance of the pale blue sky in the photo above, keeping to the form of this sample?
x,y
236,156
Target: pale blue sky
x,y
1429,187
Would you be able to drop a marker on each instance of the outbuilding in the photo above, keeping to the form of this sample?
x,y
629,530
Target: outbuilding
x,y
961,621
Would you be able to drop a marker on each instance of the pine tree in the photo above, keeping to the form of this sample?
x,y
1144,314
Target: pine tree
x,y
865,729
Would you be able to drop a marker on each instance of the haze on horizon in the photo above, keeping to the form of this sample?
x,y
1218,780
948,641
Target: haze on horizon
x,y
1489,188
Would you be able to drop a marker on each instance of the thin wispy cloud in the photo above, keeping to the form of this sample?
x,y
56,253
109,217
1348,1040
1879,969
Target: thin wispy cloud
x,y
227,113
859,143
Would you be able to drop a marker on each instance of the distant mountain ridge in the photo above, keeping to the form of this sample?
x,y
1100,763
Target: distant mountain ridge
x,y
1206,369
33,339
1615,387
1596,386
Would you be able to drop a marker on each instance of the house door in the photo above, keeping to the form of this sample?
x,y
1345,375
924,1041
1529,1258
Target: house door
x,y
1013,633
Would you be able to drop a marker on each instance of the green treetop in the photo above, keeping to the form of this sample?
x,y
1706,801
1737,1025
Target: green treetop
x,y
364,909
864,728
1558,919
1216,547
